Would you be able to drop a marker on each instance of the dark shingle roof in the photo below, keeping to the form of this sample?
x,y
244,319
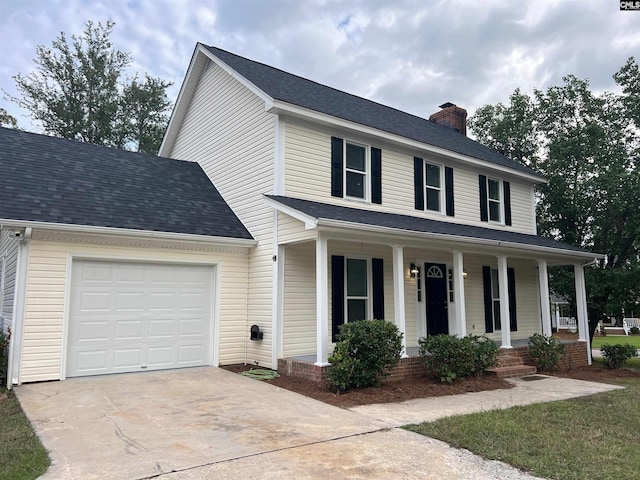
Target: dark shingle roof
x,y
54,180
305,93
416,224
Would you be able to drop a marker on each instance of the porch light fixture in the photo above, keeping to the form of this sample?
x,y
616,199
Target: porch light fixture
x,y
413,270
464,274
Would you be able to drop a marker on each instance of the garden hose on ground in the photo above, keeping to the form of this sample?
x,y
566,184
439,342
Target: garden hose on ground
x,y
260,374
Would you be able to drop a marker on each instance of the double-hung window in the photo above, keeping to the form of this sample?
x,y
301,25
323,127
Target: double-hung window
x,y
357,298
433,187
356,170
495,299
494,199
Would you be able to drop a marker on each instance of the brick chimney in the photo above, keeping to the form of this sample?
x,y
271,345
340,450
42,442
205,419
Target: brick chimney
x,y
451,116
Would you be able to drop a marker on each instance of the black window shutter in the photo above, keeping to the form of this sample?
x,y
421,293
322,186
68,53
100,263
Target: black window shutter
x,y
336,167
376,175
337,294
484,213
488,299
448,184
506,187
377,272
511,279
418,182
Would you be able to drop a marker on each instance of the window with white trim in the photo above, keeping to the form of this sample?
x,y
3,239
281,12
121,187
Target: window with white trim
x,y
494,199
357,289
495,299
433,187
356,170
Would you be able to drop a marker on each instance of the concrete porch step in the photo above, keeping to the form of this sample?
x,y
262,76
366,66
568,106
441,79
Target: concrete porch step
x,y
512,371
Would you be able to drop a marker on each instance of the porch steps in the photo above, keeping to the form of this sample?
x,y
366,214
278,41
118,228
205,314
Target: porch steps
x,y
510,366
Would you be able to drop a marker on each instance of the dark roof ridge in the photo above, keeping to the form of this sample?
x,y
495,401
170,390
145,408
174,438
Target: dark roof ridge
x,y
328,86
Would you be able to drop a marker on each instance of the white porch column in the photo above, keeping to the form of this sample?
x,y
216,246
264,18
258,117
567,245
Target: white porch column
x,y
581,307
503,283
398,295
545,306
322,303
458,293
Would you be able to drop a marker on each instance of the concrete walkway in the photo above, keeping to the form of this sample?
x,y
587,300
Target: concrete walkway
x,y
540,388
203,423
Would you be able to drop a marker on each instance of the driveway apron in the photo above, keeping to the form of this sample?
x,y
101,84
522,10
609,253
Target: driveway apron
x,y
202,423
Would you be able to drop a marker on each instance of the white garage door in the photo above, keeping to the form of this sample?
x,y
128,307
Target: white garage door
x,y
129,317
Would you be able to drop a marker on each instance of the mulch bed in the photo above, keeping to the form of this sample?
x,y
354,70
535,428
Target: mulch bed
x,y
420,387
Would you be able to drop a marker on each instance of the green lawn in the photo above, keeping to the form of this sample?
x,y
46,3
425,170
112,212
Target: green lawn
x,y
22,457
590,437
616,339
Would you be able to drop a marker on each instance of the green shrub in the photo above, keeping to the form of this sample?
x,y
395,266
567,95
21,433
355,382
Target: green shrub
x,y
634,330
448,357
616,355
365,349
4,355
545,351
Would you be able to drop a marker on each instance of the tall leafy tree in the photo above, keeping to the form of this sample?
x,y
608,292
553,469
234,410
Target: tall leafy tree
x,y
79,90
7,119
587,147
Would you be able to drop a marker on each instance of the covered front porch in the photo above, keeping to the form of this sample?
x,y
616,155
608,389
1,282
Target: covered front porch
x,y
436,278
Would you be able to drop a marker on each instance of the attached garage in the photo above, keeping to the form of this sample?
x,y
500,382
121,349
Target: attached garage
x,y
131,316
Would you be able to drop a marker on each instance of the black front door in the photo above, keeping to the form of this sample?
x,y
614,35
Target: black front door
x,y
435,280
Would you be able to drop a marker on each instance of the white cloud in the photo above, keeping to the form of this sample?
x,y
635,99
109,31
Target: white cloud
x,y
410,54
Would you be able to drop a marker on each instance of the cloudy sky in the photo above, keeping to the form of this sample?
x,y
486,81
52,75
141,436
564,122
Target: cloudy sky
x,y
409,54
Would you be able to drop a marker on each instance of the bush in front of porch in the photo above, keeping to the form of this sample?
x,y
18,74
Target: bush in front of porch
x,y
365,349
448,357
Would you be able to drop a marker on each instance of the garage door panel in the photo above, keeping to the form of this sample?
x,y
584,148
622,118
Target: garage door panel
x,y
128,317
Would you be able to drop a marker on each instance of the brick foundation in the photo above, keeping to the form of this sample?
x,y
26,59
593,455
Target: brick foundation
x,y
575,356
407,368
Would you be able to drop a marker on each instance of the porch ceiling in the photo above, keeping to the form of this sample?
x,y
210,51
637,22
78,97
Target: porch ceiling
x,y
390,228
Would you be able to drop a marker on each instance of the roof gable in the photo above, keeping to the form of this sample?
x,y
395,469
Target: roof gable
x,y
299,91
55,180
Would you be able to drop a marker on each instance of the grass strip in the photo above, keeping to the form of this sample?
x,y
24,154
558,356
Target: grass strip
x,y
22,456
597,436
616,340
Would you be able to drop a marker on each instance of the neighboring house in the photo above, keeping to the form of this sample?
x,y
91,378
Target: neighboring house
x,y
327,208
362,211
115,261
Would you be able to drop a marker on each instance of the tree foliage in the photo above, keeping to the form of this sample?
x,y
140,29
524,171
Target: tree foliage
x,y
79,91
587,145
7,120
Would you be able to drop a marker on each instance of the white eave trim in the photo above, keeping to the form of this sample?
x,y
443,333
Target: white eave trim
x,y
309,221
332,224
278,106
89,229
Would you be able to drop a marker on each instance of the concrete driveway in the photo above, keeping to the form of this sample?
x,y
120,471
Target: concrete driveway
x,y
202,423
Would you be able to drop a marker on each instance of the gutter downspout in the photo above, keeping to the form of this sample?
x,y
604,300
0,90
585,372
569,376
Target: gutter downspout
x,y
20,296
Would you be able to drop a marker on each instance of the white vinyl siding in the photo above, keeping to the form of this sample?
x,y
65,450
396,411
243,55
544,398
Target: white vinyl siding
x,y
48,277
291,230
8,266
308,176
227,131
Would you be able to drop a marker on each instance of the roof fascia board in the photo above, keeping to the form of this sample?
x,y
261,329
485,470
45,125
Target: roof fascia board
x,y
238,242
187,89
278,106
309,221
328,223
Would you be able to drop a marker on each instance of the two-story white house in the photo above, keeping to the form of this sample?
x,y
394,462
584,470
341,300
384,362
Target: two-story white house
x,y
299,208
362,211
